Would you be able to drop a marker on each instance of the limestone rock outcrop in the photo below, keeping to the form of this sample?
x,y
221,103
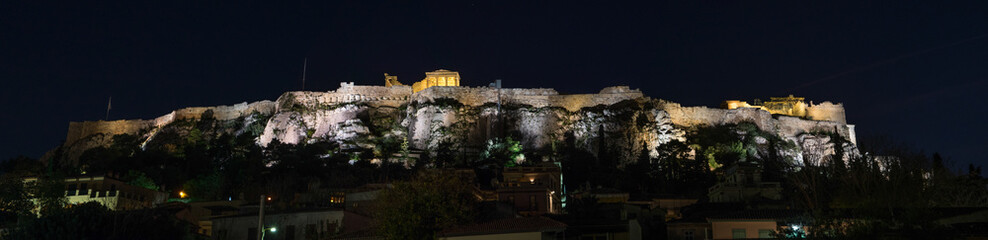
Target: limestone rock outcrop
x,y
617,120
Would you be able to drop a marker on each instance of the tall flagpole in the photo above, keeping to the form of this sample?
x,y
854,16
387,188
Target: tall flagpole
x,y
305,65
108,109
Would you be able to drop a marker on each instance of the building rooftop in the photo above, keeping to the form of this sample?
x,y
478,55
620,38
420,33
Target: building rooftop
x,y
506,225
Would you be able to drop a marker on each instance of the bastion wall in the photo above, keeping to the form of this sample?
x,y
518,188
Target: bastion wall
x,y
826,111
79,130
377,96
781,125
535,97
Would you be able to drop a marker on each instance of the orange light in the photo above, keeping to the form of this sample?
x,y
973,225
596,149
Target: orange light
x,y
181,194
269,198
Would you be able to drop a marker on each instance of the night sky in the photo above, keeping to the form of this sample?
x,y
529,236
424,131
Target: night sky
x,y
912,71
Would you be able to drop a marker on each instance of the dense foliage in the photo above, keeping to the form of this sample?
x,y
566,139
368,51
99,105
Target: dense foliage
x,y
94,221
421,207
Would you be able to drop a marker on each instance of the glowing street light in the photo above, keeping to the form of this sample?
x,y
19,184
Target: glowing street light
x,y
181,194
265,230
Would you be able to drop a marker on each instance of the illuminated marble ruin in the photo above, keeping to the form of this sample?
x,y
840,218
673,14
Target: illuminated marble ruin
x,y
794,106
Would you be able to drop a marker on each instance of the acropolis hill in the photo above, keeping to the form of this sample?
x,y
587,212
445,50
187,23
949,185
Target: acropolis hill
x,y
616,117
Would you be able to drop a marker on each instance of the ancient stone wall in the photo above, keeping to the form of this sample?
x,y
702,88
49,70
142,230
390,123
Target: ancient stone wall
x,y
826,111
785,126
535,97
226,112
393,96
795,106
79,130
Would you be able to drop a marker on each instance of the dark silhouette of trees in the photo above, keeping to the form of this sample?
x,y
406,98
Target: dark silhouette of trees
x,y
94,221
423,206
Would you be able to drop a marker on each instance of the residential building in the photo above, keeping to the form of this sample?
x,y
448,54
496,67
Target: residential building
x,y
532,190
743,183
748,224
110,192
296,225
527,228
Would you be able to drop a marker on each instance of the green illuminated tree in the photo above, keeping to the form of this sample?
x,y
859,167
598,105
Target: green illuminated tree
x,y
138,178
503,152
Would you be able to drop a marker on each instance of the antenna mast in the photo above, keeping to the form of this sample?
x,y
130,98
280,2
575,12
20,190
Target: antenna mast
x,y
107,118
305,65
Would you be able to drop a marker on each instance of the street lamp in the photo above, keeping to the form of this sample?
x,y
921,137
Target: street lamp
x,y
260,218
272,229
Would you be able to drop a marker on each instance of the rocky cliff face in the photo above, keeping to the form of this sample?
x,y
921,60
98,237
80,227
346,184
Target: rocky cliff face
x,y
617,121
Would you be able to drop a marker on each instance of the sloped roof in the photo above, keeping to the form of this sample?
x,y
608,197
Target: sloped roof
x,y
758,214
506,225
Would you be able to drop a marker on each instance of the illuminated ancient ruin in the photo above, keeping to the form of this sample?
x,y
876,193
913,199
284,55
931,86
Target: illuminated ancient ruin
x,y
537,116
441,77
794,106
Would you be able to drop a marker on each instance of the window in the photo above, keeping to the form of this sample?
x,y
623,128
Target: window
x,y
688,234
83,189
765,233
310,232
70,190
290,232
531,203
738,233
252,233
113,190
221,234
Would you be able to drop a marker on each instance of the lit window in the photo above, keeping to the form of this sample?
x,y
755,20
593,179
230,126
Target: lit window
x,y
532,205
765,233
738,233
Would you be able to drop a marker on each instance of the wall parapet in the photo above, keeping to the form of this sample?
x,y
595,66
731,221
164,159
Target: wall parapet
x,y
536,97
80,130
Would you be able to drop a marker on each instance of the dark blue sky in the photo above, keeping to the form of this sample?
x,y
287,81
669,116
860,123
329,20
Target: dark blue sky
x,y
915,71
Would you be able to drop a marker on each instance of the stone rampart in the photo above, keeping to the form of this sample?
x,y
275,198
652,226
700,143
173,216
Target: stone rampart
x,y
79,130
393,96
826,111
535,97
782,125
226,112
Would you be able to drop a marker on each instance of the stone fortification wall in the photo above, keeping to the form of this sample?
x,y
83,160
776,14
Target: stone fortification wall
x,y
80,130
826,111
535,97
393,96
782,125
225,112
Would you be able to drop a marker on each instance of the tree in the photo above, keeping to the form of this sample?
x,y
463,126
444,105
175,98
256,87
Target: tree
x,y
138,178
94,221
503,152
15,200
678,173
50,192
420,208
